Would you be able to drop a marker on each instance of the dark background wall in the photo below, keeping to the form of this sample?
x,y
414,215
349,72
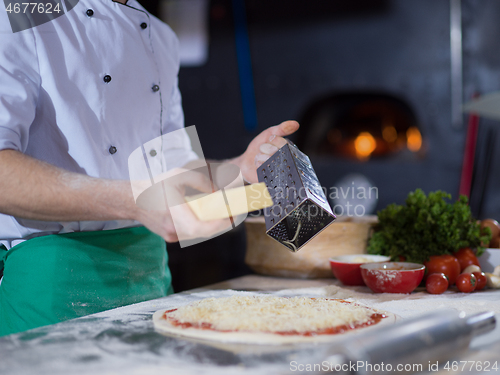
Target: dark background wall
x,y
301,50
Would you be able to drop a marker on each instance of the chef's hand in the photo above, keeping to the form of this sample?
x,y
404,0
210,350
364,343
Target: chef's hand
x,y
175,221
262,147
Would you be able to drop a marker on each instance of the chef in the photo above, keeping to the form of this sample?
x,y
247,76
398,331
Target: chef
x,y
78,95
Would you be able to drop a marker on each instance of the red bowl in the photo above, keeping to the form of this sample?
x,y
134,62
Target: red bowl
x,y
346,267
392,277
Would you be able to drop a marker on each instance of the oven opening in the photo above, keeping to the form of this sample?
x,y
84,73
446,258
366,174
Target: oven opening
x,y
360,126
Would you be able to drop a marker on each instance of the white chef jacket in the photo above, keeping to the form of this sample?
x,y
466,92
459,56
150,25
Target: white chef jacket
x,y
85,90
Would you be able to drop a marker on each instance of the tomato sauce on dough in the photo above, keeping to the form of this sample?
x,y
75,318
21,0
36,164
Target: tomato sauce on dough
x,y
374,319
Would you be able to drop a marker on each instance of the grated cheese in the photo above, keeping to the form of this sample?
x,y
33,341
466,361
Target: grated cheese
x,y
272,314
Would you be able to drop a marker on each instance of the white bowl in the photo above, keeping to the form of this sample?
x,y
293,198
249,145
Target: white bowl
x,y
489,260
361,258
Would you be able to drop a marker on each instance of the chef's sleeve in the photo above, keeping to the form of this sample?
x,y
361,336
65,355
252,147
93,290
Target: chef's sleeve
x,y
19,85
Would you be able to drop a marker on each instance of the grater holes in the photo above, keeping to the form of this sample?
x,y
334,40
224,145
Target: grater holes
x,y
296,223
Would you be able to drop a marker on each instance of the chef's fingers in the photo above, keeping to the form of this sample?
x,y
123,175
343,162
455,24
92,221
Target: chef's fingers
x,y
267,148
276,141
188,226
273,144
285,128
179,178
199,182
179,223
170,235
260,159
282,130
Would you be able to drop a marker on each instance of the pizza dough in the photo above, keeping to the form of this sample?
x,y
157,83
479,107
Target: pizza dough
x,y
266,319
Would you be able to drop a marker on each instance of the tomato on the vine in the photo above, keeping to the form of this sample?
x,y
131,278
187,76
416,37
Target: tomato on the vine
x,y
466,282
436,283
446,264
466,257
481,280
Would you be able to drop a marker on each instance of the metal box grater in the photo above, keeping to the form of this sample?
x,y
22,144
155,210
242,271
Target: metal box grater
x,y
300,210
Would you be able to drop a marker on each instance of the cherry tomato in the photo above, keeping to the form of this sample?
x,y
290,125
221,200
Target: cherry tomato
x,y
446,264
436,283
466,282
466,257
481,280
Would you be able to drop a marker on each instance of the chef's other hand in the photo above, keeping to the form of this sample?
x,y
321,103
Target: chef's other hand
x,y
175,221
262,147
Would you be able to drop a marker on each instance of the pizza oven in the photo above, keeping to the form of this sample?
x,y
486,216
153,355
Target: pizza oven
x,y
360,126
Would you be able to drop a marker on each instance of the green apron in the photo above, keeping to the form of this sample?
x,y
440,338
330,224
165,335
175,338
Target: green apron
x,y
58,277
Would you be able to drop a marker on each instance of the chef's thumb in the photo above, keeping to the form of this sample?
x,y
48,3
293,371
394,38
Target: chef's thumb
x,y
285,128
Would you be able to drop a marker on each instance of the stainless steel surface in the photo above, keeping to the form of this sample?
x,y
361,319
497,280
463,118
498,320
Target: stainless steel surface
x,y
300,210
456,63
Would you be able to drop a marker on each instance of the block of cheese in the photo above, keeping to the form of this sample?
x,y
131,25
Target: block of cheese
x,y
230,202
